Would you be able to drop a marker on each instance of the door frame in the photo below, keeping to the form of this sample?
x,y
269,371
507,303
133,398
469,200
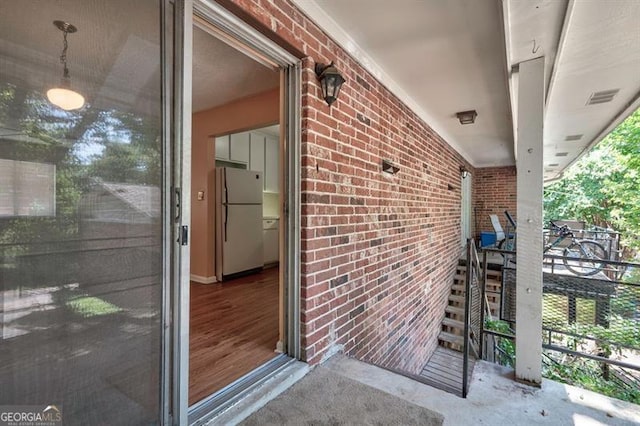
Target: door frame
x,y
171,251
242,36
181,66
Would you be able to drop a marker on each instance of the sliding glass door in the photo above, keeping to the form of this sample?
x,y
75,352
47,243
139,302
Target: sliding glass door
x,y
83,202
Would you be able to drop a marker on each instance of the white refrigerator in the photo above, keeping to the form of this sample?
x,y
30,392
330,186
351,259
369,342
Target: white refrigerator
x,y
238,222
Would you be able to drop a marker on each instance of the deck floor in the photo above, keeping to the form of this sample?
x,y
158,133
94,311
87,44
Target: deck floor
x,y
444,370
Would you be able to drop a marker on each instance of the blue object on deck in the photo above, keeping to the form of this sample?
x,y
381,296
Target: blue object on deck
x,y
487,239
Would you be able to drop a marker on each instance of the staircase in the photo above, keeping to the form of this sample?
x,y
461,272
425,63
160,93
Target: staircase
x,y
452,330
445,368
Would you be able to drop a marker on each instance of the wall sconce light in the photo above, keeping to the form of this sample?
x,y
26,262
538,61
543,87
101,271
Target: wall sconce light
x,y
467,117
464,172
63,96
330,80
389,167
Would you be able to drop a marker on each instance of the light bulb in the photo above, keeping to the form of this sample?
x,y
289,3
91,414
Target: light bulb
x,y
66,99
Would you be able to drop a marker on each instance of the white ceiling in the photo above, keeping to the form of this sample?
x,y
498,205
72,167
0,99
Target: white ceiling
x,y
222,74
440,57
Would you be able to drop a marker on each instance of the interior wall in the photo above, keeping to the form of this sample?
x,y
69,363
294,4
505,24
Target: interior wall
x,y
248,113
495,191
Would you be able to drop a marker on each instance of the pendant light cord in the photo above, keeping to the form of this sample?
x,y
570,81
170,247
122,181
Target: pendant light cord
x,y
63,96
63,56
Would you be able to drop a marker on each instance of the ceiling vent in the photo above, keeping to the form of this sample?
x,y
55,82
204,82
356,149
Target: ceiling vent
x,y
602,97
561,154
571,138
554,165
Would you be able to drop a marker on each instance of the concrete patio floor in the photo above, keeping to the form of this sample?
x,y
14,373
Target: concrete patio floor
x,y
494,398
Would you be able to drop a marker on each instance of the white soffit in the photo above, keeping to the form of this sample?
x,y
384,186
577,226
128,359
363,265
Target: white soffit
x,y
438,57
601,56
590,48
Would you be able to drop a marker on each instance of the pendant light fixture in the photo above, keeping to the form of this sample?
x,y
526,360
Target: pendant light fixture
x,y
63,96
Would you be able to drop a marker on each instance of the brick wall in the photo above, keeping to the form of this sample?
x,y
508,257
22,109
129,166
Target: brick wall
x,y
378,250
494,192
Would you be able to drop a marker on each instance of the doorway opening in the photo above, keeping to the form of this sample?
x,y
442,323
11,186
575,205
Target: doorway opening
x,y
236,288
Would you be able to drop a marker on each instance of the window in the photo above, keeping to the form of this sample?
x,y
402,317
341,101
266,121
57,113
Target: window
x,y
27,189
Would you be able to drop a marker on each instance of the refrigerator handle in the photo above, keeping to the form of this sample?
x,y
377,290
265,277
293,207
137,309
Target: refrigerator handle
x,y
226,203
226,189
226,218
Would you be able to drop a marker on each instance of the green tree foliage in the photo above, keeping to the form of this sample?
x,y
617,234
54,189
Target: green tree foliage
x,y
130,153
43,138
506,348
603,187
587,374
86,146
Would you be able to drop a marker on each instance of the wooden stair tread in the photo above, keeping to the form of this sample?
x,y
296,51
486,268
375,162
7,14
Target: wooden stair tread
x,y
454,322
450,322
490,271
461,288
490,280
454,310
451,338
460,298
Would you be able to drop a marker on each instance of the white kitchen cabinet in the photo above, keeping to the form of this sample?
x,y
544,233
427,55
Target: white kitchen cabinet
x,y
271,166
239,147
222,147
256,153
259,151
270,241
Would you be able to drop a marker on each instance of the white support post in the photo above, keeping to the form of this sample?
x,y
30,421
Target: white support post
x,y
529,243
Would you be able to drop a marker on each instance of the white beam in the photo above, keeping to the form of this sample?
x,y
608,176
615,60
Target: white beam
x,y
562,43
529,198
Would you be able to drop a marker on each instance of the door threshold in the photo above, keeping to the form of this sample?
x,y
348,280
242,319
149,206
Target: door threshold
x,y
237,401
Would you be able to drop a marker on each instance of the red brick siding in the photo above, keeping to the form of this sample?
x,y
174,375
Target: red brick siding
x,y
378,251
494,192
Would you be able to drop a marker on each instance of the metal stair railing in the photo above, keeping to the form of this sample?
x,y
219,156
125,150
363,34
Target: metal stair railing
x,y
473,313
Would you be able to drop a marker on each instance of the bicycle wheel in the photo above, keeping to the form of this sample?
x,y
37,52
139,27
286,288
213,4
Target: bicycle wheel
x,y
508,243
584,257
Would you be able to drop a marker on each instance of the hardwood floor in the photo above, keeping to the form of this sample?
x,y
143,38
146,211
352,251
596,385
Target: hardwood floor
x,y
234,329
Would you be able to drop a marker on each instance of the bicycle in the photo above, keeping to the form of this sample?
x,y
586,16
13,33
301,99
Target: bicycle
x,y
509,241
582,257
